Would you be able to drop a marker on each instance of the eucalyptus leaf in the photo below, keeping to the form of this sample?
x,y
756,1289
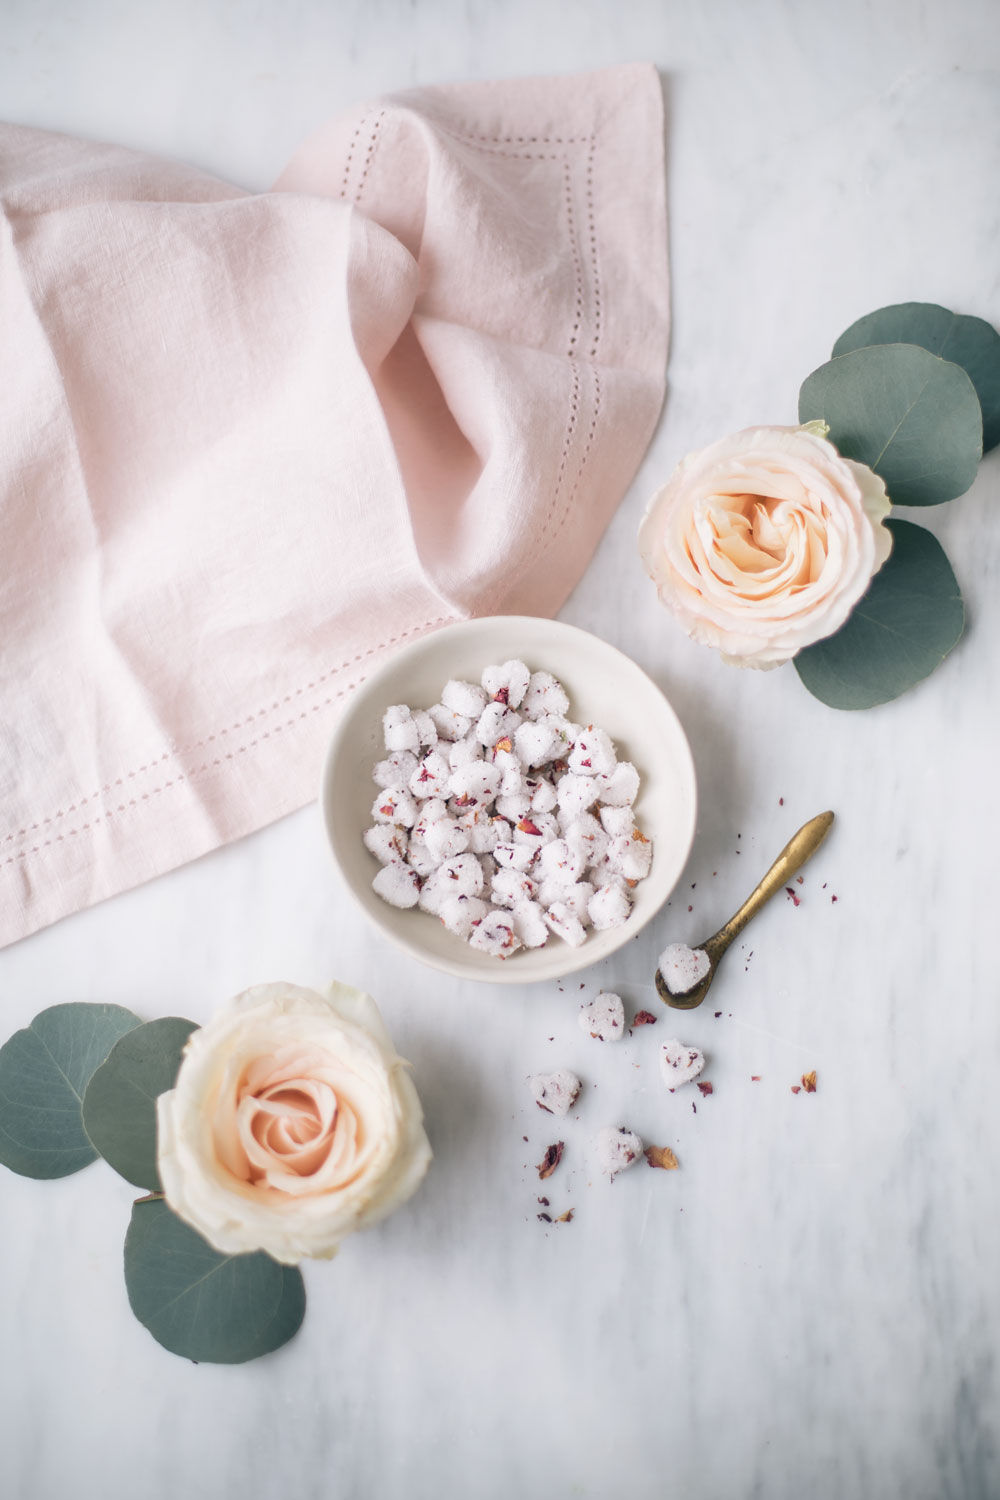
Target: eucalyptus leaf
x,y
904,627
44,1072
119,1107
912,417
221,1309
966,341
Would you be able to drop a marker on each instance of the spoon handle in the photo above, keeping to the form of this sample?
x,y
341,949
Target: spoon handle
x,y
800,847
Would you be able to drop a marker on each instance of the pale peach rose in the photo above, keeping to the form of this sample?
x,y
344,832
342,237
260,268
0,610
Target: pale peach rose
x,y
765,541
292,1123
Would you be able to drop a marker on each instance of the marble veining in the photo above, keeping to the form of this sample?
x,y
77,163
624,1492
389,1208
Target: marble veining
x,y
810,1305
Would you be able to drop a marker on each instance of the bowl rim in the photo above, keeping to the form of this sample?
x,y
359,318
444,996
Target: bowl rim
x,y
576,958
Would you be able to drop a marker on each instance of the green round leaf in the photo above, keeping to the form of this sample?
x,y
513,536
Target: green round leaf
x,y
44,1072
904,627
222,1309
912,417
969,342
119,1107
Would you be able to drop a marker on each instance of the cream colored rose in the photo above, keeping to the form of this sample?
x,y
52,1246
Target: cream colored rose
x,y
765,541
291,1124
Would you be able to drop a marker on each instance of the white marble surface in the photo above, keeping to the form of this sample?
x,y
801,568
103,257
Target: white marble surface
x,y
811,1304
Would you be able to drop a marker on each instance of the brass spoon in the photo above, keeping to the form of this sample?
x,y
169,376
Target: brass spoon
x,y
800,847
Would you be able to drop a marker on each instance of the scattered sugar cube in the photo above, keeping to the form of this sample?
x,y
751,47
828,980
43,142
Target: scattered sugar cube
x,y
395,771
544,696
565,924
462,752
557,1092
465,698
511,773
460,913
511,886
399,730
419,858
395,807
429,811
430,779
618,1149
617,822
495,935
484,831
462,875
511,856
679,1064
593,753
576,897
586,836
683,967
432,894
478,781
609,907
529,924
496,722
576,794
507,683
536,829
449,724
542,794
445,839
558,862
515,807
387,841
621,788
426,730
603,1018
397,885
631,855
537,742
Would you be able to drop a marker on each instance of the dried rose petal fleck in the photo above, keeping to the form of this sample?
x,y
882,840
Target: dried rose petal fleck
x,y
565,1218
644,1018
809,1082
551,1159
661,1156
706,1089
797,900
545,1218
796,1089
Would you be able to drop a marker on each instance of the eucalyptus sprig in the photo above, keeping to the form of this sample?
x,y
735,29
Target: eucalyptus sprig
x,y
913,391
82,1082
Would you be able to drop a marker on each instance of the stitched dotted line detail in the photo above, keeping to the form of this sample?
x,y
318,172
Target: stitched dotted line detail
x,y
519,140
477,143
179,750
577,270
592,237
588,445
372,144
192,776
350,155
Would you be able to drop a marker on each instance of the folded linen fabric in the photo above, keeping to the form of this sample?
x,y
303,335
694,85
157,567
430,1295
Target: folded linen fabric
x,y
251,442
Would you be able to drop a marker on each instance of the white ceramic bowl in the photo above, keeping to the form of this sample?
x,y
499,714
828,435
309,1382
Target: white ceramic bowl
x,y
605,688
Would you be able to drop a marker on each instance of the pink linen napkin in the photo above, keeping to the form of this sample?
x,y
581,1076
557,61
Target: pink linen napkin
x,y
250,443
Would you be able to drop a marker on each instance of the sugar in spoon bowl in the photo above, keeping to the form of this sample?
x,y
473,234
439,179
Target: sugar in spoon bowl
x,y
800,847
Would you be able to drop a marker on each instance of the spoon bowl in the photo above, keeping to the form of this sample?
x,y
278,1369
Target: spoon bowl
x,y
800,847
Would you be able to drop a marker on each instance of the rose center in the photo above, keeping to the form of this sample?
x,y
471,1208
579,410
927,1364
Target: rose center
x,y
289,1125
762,536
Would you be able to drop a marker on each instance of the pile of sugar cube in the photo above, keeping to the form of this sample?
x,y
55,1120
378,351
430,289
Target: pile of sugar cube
x,y
503,818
